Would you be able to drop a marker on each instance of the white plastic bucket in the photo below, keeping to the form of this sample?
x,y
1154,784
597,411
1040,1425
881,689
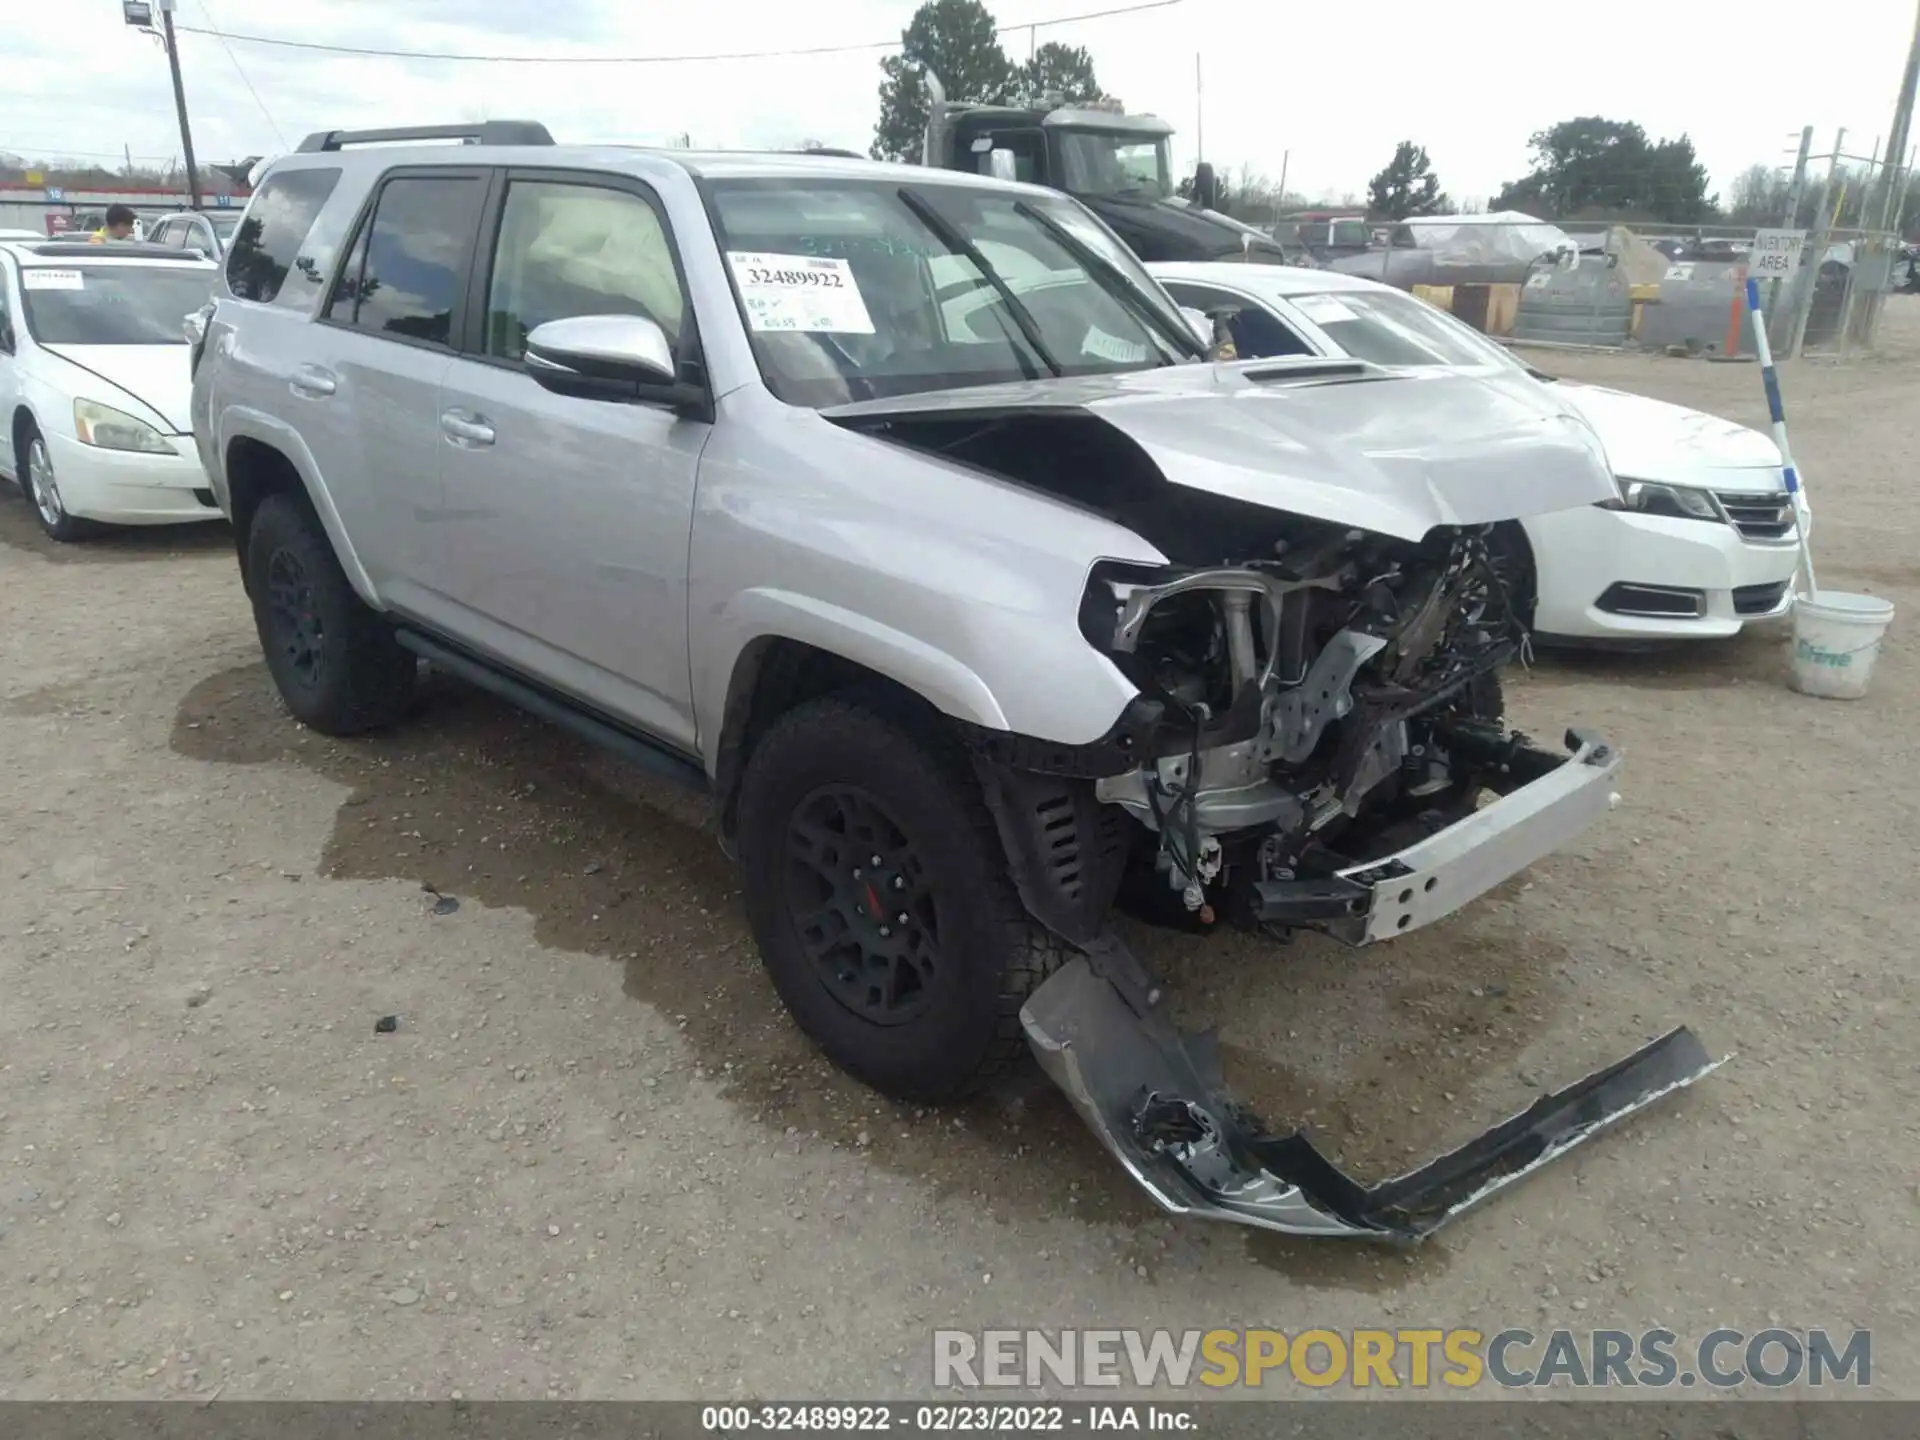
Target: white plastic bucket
x,y
1836,638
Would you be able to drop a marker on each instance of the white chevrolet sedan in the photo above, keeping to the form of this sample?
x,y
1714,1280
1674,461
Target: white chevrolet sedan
x,y
1702,538
94,383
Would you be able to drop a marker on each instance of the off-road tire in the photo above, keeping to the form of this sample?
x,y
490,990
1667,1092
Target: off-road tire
x,y
991,953
360,678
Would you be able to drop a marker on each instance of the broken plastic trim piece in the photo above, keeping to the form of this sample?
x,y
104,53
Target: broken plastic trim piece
x,y
1158,1101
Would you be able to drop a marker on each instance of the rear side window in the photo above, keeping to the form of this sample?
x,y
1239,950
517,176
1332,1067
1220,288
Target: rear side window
x,y
407,270
268,240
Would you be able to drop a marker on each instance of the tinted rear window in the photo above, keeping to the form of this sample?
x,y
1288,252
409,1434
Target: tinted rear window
x,y
267,241
409,269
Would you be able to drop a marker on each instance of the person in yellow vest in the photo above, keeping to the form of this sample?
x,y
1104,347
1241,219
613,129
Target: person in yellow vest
x,y
119,225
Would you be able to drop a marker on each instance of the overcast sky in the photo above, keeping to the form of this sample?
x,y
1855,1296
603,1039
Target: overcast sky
x,y
1336,84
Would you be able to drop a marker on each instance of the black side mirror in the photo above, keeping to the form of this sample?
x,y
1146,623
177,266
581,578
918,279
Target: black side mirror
x,y
6,337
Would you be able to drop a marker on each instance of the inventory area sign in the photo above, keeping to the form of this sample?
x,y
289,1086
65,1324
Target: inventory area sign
x,y
1775,254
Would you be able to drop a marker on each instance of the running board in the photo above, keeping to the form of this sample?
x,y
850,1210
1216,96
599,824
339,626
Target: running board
x,y
1157,1099
543,704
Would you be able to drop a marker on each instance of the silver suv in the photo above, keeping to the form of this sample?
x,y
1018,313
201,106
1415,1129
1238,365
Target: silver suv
x,y
903,512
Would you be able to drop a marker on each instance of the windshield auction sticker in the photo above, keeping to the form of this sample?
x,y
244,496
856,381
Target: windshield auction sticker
x,y
799,293
36,277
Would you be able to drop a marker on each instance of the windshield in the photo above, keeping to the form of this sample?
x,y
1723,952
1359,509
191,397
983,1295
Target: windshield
x,y
1094,162
112,304
1389,328
224,225
857,289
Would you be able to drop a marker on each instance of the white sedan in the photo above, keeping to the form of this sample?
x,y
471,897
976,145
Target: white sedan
x,y
94,383
1703,537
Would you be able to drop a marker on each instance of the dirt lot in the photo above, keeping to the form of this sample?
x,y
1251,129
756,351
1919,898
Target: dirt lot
x,y
595,1160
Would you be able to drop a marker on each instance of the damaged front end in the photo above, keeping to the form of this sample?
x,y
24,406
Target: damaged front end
x,y
1318,744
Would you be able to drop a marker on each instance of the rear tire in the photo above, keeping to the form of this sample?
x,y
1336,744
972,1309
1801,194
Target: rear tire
x,y
926,1009
334,659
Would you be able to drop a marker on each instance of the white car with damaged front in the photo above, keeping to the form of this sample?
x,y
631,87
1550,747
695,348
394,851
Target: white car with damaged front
x,y
1702,539
94,384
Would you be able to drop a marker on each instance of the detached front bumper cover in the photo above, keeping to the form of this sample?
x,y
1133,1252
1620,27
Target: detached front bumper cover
x,y
1157,1098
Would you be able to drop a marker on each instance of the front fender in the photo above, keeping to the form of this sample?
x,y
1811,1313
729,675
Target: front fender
x,y
765,613
243,422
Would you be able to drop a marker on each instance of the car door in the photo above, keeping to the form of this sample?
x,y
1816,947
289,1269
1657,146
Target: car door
x,y
1258,334
564,550
369,384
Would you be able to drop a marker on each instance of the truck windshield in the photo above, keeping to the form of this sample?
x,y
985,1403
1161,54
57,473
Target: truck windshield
x,y
858,289
1096,162
112,304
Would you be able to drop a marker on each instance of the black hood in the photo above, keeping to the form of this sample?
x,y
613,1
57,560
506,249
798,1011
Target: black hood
x,y
1158,230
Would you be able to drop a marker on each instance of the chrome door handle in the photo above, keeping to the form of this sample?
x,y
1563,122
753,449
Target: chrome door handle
x,y
311,380
465,429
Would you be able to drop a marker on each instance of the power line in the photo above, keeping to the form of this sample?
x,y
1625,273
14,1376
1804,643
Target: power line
x,y
642,59
61,152
207,11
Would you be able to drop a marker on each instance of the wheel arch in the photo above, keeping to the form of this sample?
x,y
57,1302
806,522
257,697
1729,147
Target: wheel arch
x,y
774,673
18,424
261,457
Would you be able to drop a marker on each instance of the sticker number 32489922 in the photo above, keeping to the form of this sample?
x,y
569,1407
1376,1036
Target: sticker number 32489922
x,y
799,293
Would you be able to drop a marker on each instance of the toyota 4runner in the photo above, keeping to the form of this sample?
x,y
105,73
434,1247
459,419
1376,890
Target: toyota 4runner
x,y
903,512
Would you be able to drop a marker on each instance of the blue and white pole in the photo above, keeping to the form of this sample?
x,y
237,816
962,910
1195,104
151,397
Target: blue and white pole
x,y
1771,380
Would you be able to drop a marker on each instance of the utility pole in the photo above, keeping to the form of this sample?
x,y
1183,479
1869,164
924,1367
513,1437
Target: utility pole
x,y
1199,115
1902,121
180,103
1796,188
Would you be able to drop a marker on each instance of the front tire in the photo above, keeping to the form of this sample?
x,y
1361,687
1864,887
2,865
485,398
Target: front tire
x,y
42,489
334,659
881,902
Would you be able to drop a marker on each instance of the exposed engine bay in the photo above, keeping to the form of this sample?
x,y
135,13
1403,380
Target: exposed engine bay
x,y
1323,707
1318,743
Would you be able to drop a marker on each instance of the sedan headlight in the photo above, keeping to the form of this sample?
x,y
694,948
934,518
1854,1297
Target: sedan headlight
x,y
111,429
1676,502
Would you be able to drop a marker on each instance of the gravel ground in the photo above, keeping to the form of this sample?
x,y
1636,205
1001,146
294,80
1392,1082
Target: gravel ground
x,y
594,1160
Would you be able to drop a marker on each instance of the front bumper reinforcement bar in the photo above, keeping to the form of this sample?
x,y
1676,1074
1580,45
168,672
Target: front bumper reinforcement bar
x,y
1158,1101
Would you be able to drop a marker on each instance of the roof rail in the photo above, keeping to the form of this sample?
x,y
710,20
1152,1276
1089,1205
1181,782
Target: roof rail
x,y
484,132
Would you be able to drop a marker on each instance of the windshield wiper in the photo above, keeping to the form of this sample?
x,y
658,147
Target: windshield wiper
x,y
951,236
1118,285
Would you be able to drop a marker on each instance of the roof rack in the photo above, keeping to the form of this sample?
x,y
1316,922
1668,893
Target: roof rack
x,y
75,249
485,132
